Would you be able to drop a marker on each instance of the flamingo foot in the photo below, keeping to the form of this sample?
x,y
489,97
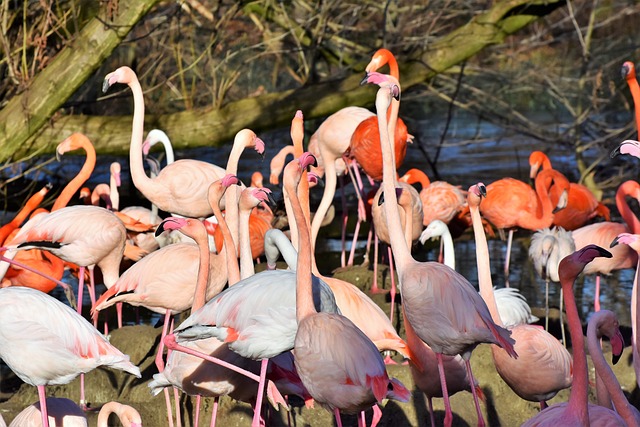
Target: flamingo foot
x,y
376,290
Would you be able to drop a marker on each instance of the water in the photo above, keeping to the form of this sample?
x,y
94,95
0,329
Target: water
x,y
496,155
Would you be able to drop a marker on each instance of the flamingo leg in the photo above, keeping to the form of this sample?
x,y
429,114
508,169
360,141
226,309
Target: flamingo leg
x,y
448,416
543,405
176,398
336,412
214,412
167,400
361,420
596,300
345,219
365,261
475,394
263,375
160,354
430,406
546,304
80,290
393,284
377,415
353,243
196,420
43,406
375,289
564,339
119,313
507,258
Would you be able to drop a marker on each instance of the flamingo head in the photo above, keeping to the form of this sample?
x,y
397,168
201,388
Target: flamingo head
x,y
229,179
263,195
476,193
115,170
536,160
384,81
153,137
628,70
399,192
314,179
378,60
122,75
257,179
75,141
572,265
628,146
190,227
632,240
307,159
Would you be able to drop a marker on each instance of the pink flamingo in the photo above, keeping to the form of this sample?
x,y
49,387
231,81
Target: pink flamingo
x,y
180,187
582,205
430,290
577,411
543,366
633,242
354,378
603,233
66,344
605,323
68,414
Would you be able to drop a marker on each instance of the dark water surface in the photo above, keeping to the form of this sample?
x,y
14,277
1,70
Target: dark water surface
x,y
497,155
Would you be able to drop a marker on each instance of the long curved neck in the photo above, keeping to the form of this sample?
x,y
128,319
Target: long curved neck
x,y
635,326
199,296
276,244
140,179
74,185
635,93
327,196
483,264
168,151
233,269
120,410
231,196
578,398
304,293
544,217
246,262
398,243
416,175
449,252
606,375
626,189
114,195
33,202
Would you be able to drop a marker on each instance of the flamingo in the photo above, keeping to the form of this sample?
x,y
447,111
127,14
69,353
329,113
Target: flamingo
x,y
602,233
633,242
605,323
511,203
353,378
180,187
250,198
66,344
548,247
65,413
158,136
544,366
577,411
628,71
512,305
33,202
582,205
429,290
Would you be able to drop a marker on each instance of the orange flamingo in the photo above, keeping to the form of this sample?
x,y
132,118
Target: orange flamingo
x,y
582,205
543,367
442,306
629,74
33,202
365,141
511,203
577,411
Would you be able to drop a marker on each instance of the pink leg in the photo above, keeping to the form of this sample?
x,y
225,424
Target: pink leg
x,y
596,301
361,420
196,420
430,405
393,284
336,412
263,375
365,262
345,219
80,290
377,415
353,243
543,405
507,258
388,360
119,313
43,405
375,289
214,413
167,400
160,353
448,416
176,399
475,394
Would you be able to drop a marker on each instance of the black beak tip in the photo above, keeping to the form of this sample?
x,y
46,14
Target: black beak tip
x,y
159,229
105,86
483,190
364,79
614,152
614,243
381,199
615,358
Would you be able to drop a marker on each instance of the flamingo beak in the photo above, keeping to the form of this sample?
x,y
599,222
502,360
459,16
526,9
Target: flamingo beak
x,y
106,84
483,189
169,224
617,346
365,79
615,242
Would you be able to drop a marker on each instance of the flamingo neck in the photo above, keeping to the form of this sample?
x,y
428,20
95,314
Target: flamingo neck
x,y
543,218
577,405
233,270
328,194
140,179
304,293
626,189
635,93
605,373
635,324
168,151
449,252
31,204
482,260
246,262
297,137
416,175
231,196
114,195
398,243
199,297
74,185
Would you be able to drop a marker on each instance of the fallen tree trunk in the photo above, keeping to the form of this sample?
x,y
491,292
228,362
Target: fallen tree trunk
x,y
209,127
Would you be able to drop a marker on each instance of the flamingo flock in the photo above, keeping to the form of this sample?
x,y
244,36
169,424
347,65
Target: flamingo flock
x,y
232,329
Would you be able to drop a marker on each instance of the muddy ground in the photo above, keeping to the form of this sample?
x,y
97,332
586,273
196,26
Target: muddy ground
x,y
501,406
